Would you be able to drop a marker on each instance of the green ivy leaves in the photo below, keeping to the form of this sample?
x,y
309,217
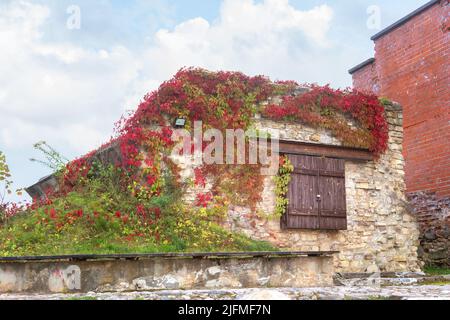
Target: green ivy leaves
x,y
282,181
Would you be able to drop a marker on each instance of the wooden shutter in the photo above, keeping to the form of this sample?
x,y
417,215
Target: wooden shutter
x,y
333,204
316,194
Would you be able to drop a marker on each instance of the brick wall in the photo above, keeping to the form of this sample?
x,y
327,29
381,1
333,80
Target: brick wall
x,y
412,67
366,79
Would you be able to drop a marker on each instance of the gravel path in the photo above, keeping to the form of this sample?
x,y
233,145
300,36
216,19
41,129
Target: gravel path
x,y
334,293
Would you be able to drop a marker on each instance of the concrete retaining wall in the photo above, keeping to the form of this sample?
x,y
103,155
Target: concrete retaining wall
x,y
160,273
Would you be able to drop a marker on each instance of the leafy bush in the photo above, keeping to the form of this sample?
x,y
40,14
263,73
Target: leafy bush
x,y
7,209
100,217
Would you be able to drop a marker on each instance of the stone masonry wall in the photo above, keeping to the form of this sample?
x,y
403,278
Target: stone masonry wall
x,y
433,214
382,234
165,273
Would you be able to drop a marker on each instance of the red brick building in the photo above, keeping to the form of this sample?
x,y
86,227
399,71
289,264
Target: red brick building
x,y
412,66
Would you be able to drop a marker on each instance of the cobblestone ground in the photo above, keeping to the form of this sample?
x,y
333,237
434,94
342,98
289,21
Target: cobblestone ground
x,y
334,293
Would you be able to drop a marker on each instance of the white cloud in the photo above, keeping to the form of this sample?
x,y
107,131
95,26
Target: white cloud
x,y
59,92
70,95
253,37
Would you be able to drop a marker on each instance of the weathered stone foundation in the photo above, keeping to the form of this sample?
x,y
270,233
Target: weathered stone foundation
x,y
171,272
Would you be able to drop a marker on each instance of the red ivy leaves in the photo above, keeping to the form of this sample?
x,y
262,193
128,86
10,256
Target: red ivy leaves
x,y
52,213
320,107
203,199
225,100
199,179
9,210
149,216
75,170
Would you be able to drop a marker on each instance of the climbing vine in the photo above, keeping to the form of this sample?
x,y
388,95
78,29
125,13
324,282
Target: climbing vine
x,y
282,181
357,119
137,200
228,100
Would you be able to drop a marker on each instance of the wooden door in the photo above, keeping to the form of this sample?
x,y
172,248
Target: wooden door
x,y
316,194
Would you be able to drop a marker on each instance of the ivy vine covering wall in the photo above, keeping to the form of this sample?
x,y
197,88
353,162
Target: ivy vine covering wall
x,y
229,100
139,199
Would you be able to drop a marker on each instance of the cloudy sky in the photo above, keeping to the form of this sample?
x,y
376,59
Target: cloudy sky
x,y
67,80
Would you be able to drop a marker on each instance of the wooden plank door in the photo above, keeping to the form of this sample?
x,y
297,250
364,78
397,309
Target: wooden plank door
x,y
316,194
303,207
332,202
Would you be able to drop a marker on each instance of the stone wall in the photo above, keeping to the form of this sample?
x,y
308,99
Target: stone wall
x,y
382,234
165,273
433,214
